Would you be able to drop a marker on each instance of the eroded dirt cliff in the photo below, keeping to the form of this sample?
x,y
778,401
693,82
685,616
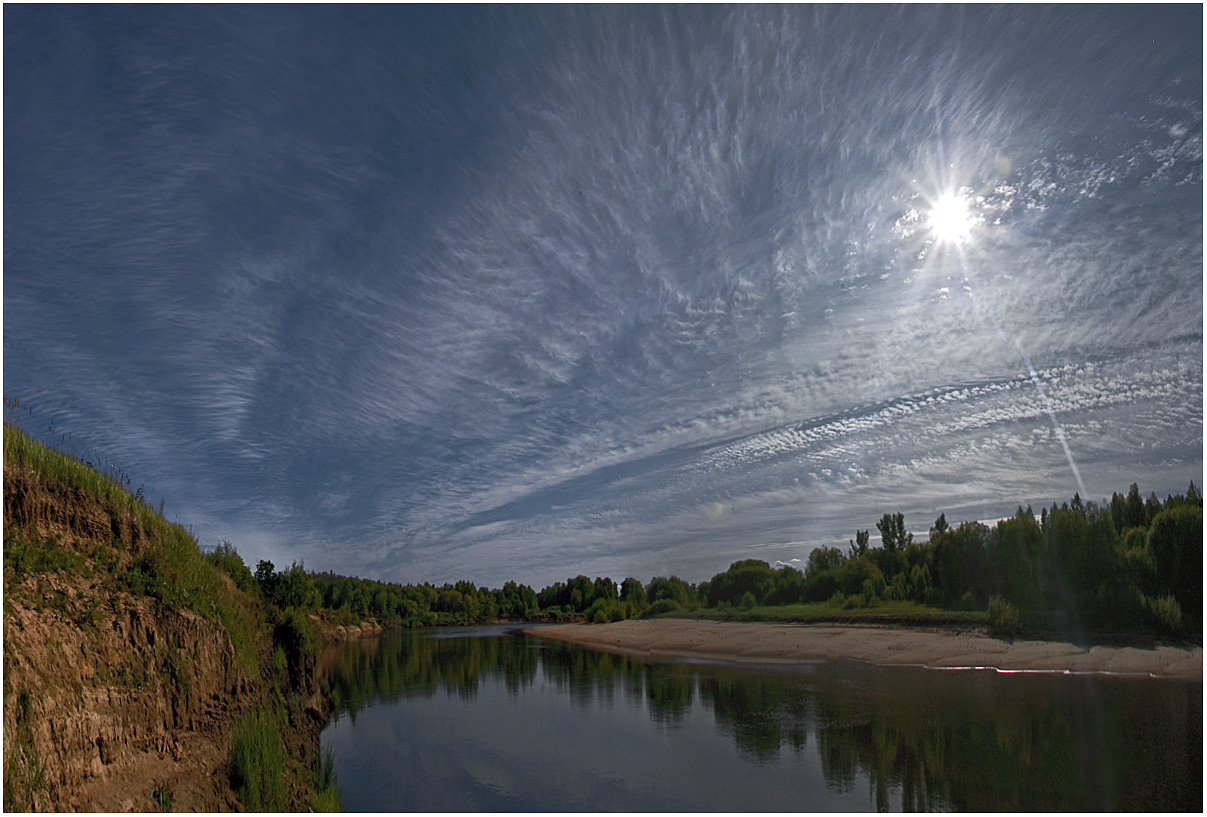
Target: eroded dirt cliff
x,y
114,700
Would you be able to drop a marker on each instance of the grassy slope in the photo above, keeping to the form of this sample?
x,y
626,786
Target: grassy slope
x,y
166,564
160,560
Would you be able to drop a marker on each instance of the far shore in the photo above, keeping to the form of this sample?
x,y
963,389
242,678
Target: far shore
x,y
771,643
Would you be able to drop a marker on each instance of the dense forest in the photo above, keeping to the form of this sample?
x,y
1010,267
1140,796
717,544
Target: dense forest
x,y
1133,562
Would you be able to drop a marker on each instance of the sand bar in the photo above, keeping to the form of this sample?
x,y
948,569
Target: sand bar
x,y
769,643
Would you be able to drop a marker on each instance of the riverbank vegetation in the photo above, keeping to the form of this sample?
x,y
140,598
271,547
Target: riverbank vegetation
x,y
85,559
138,649
1131,563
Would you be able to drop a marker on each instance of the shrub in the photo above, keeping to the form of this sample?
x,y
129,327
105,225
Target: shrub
x,y
820,587
227,559
1004,616
296,634
605,610
256,762
853,602
662,606
747,602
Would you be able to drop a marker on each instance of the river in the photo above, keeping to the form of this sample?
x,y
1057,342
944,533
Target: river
x,y
485,719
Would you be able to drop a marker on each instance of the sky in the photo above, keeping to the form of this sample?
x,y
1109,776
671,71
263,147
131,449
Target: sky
x,y
520,293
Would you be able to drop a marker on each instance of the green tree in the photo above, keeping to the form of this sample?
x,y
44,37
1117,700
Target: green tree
x,y
671,588
859,547
855,573
295,588
893,533
747,576
958,557
1175,541
633,594
787,586
266,577
822,559
604,588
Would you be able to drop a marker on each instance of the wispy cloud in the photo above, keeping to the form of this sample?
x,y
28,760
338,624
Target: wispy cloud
x,y
612,290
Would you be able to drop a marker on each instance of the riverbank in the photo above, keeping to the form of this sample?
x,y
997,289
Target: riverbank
x,y
139,674
765,643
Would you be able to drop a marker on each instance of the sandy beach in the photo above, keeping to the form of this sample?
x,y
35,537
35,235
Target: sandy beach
x,y
769,643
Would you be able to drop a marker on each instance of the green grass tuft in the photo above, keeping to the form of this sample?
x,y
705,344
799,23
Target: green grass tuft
x,y
161,796
326,798
256,762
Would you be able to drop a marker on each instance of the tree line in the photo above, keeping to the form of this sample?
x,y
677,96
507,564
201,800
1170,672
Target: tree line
x,y
1132,561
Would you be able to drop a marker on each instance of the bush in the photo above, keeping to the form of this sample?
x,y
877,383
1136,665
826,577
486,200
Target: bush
x,y
662,606
296,634
747,602
1003,616
161,796
227,559
854,602
605,610
256,763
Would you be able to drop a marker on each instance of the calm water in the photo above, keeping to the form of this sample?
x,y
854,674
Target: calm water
x,y
478,719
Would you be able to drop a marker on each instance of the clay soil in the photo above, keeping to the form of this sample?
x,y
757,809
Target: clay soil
x,y
109,696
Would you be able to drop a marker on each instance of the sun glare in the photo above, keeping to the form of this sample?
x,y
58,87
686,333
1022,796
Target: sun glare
x,y
951,219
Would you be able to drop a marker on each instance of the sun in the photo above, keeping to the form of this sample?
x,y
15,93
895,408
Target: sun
x,y
951,218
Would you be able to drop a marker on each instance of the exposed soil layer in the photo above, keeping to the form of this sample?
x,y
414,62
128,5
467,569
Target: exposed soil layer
x,y
768,643
111,697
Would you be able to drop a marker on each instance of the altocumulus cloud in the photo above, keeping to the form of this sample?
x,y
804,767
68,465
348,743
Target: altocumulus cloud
x,y
425,294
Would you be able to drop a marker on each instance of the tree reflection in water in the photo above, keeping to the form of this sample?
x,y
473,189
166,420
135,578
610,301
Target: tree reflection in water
x,y
971,741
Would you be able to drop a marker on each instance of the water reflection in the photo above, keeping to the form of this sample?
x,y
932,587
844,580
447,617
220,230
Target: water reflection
x,y
884,738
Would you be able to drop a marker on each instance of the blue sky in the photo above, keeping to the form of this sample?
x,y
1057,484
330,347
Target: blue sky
x,y
525,292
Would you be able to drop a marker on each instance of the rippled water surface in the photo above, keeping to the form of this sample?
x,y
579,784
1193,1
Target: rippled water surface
x,y
481,719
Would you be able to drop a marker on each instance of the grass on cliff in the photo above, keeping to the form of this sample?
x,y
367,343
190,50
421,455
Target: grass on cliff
x,y
167,565
164,562
55,467
256,762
